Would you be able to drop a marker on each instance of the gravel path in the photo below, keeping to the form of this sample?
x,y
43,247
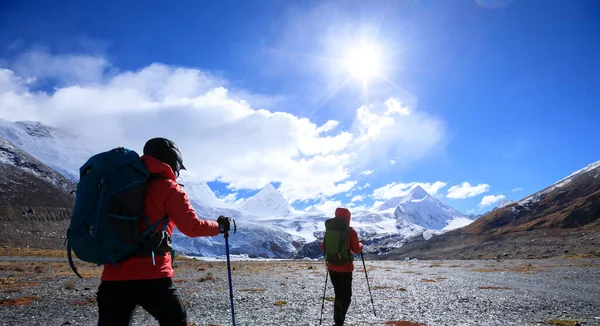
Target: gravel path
x,y
512,292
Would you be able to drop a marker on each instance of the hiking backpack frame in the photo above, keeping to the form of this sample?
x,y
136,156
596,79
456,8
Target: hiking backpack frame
x,y
105,226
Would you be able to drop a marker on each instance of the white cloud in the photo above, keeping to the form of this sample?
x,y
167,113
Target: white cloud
x,y
367,172
357,198
232,198
355,208
221,135
466,190
490,199
392,162
401,189
385,130
517,189
329,206
377,203
64,68
366,186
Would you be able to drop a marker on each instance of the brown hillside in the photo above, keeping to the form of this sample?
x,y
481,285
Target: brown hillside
x,y
35,201
574,205
562,219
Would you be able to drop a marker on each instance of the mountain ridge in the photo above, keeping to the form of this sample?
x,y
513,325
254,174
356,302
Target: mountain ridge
x,y
547,223
35,201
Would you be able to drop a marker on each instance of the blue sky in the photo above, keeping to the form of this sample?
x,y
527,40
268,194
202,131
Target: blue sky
x,y
501,96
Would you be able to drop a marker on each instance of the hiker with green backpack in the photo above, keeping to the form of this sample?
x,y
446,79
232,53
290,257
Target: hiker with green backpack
x,y
339,245
126,208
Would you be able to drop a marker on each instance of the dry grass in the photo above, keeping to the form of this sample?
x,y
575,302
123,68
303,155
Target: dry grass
x,y
4,281
70,285
403,323
562,322
522,268
401,289
330,299
23,301
379,287
32,252
207,277
280,303
10,285
253,290
493,288
424,280
85,302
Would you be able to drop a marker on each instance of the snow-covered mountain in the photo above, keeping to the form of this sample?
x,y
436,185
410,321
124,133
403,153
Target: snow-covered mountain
x,y
25,181
503,203
268,226
267,202
421,208
61,150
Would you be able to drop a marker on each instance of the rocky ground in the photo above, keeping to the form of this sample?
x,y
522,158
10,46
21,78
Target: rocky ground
x,y
475,292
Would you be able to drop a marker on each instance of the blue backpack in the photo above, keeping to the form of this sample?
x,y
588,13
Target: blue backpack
x,y
105,224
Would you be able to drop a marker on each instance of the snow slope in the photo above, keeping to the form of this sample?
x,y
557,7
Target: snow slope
x,y
267,202
420,208
12,156
59,149
503,203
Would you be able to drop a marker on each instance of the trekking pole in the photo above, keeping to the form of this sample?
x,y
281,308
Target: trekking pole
x,y
324,291
229,271
367,276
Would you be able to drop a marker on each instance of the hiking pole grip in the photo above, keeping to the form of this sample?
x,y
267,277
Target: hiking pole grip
x,y
367,277
229,277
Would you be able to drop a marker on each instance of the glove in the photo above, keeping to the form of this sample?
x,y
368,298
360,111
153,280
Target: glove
x,y
224,223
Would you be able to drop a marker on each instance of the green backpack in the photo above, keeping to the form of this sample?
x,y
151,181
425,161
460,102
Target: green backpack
x,y
337,232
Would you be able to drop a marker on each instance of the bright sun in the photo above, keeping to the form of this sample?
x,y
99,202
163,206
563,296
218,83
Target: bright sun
x,y
363,62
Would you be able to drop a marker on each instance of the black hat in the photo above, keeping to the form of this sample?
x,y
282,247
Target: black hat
x,y
166,151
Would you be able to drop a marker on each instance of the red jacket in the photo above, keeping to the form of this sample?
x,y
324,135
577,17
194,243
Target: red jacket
x,y
355,246
163,197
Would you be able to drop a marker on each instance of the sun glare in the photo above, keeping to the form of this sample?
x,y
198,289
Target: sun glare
x,y
363,62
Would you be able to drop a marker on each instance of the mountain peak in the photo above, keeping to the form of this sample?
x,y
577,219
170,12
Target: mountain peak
x,y
417,193
269,188
419,207
267,202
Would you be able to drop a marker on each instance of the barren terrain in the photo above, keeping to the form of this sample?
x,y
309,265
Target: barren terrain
x,y
43,291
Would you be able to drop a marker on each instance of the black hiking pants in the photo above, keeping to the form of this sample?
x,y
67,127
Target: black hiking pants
x,y
159,297
342,286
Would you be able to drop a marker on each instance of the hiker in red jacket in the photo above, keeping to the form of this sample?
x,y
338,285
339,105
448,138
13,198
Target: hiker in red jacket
x,y
144,279
341,275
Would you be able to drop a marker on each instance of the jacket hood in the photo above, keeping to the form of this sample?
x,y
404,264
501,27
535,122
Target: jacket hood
x,y
157,166
343,212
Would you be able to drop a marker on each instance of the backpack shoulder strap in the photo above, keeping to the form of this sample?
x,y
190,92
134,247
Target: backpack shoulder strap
x,y
70,256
